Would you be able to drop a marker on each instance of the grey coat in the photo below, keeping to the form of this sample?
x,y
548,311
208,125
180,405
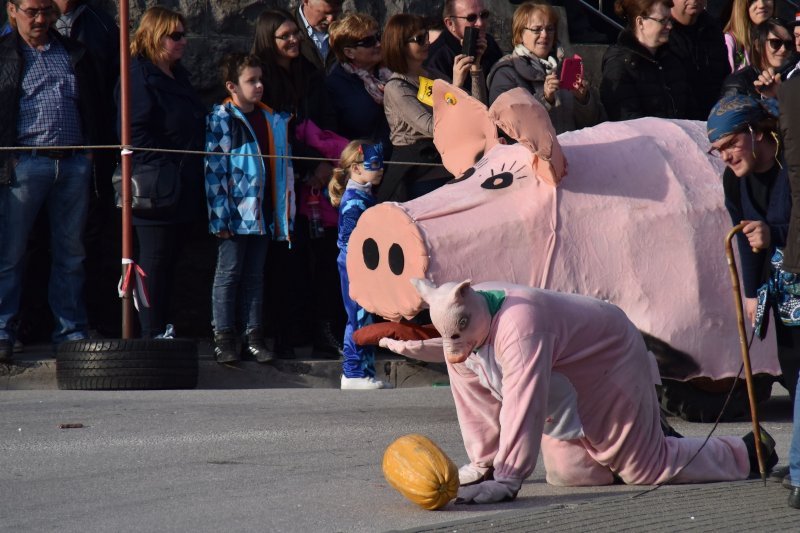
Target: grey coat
x,y
567,113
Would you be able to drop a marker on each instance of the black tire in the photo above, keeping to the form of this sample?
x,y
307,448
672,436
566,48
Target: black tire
x,y
127,364
701,403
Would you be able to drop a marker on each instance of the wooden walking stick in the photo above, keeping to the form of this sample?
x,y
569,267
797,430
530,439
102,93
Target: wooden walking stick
x,y
748,371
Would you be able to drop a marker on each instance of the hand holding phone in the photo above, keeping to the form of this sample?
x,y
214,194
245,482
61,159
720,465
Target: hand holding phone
x,y
571,72
469,45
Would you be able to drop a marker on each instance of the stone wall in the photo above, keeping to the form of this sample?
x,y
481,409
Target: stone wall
x,y
217,27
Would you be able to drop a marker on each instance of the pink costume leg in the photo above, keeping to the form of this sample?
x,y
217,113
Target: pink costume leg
x,y
568,464
635,448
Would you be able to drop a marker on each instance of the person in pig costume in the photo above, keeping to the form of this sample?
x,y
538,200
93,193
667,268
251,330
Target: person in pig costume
x,y
530,366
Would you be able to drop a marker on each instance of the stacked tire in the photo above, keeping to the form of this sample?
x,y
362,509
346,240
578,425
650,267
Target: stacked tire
x,y
127,364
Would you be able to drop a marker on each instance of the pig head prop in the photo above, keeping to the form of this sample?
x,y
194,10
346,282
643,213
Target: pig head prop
x,y
637,218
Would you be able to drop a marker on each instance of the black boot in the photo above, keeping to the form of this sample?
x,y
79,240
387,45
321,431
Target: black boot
x,y
257,347
326,341
225,347
767,447
794,497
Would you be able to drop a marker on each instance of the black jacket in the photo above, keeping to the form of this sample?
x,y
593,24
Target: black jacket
x,y
637,84
741,82
167,113
309,50
444,50
789,97
358,116
702,51
11,69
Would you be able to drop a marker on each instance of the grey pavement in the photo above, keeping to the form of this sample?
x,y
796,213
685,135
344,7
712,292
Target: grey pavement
x,y
308,459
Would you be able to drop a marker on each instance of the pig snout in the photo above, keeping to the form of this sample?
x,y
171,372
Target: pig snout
x,y
385,251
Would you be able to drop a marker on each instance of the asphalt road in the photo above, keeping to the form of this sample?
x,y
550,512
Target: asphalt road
x,y
251,460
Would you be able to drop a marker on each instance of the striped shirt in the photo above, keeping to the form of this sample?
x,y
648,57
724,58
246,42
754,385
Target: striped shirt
x,y
48,104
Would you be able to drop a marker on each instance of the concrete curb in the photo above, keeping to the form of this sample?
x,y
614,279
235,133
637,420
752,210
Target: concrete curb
x,y
734,506
35,369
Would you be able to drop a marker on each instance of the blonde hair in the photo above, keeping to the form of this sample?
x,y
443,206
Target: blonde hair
x,y
345,32
740,25
156,22
524,13
351,155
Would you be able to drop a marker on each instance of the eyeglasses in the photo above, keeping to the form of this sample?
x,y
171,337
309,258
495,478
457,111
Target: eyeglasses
x,y
539,29
472,18
776,44
421,39
32,13
177,35
666,21
367,42
734,144
289,36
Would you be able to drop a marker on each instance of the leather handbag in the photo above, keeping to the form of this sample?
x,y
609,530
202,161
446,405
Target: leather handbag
x,y
155,188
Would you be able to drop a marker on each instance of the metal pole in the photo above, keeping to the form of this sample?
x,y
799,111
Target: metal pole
x,y
125,138
748,371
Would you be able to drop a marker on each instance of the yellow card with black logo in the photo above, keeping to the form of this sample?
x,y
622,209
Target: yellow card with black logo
x,y
425,93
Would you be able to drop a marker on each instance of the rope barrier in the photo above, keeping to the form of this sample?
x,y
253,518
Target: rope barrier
x,y
193,152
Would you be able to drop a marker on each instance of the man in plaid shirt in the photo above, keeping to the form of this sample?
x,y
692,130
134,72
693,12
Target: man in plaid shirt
x,y
47,91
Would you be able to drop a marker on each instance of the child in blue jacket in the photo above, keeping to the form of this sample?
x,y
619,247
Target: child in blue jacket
x,y
249,200
360,167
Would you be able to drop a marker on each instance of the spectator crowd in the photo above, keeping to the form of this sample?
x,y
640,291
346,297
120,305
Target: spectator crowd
x,y
321,98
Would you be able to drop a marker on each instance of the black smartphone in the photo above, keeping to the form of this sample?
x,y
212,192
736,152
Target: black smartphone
x,y
470,43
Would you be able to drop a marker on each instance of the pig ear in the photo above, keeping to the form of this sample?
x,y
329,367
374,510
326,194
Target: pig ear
x,y
425,288
460,291
462,129
524,119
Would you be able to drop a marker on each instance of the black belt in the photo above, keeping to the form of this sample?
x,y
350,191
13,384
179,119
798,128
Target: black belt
x,y
53,154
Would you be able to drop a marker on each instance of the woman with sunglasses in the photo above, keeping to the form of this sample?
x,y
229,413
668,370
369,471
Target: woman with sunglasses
x,y
743,133
165,112
533,65
356,83
744,16
410,114
292,85
771,49
641,76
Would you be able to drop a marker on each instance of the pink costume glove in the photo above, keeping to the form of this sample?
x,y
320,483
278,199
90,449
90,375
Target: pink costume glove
x,y
489,492
430,350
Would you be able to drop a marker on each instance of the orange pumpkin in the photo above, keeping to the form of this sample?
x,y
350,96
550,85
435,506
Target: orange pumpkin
x,y
419,470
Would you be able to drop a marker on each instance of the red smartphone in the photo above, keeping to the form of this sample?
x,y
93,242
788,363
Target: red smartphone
x,y
571,71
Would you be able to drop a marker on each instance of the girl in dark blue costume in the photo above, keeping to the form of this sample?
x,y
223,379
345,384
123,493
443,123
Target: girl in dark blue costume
x,y
360,168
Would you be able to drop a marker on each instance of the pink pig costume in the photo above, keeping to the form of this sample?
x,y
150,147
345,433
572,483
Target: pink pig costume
x,y
569,371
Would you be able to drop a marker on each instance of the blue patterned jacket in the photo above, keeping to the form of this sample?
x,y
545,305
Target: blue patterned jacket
x,y
236,181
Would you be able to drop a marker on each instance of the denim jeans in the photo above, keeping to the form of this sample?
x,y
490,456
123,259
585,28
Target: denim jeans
x,y
62,187
239,282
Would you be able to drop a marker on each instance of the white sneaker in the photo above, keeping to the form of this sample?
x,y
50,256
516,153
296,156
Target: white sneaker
x,y
365,383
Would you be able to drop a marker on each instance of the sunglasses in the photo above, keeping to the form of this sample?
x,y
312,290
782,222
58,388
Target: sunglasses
x,y
472,18
367,42
177,35
776,44
421,39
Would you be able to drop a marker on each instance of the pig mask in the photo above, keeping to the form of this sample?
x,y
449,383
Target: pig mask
x,y
459,313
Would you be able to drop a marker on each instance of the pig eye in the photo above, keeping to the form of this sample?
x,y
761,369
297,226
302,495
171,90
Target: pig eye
x,y
463,322
466,175
372,255
397,259
499,181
